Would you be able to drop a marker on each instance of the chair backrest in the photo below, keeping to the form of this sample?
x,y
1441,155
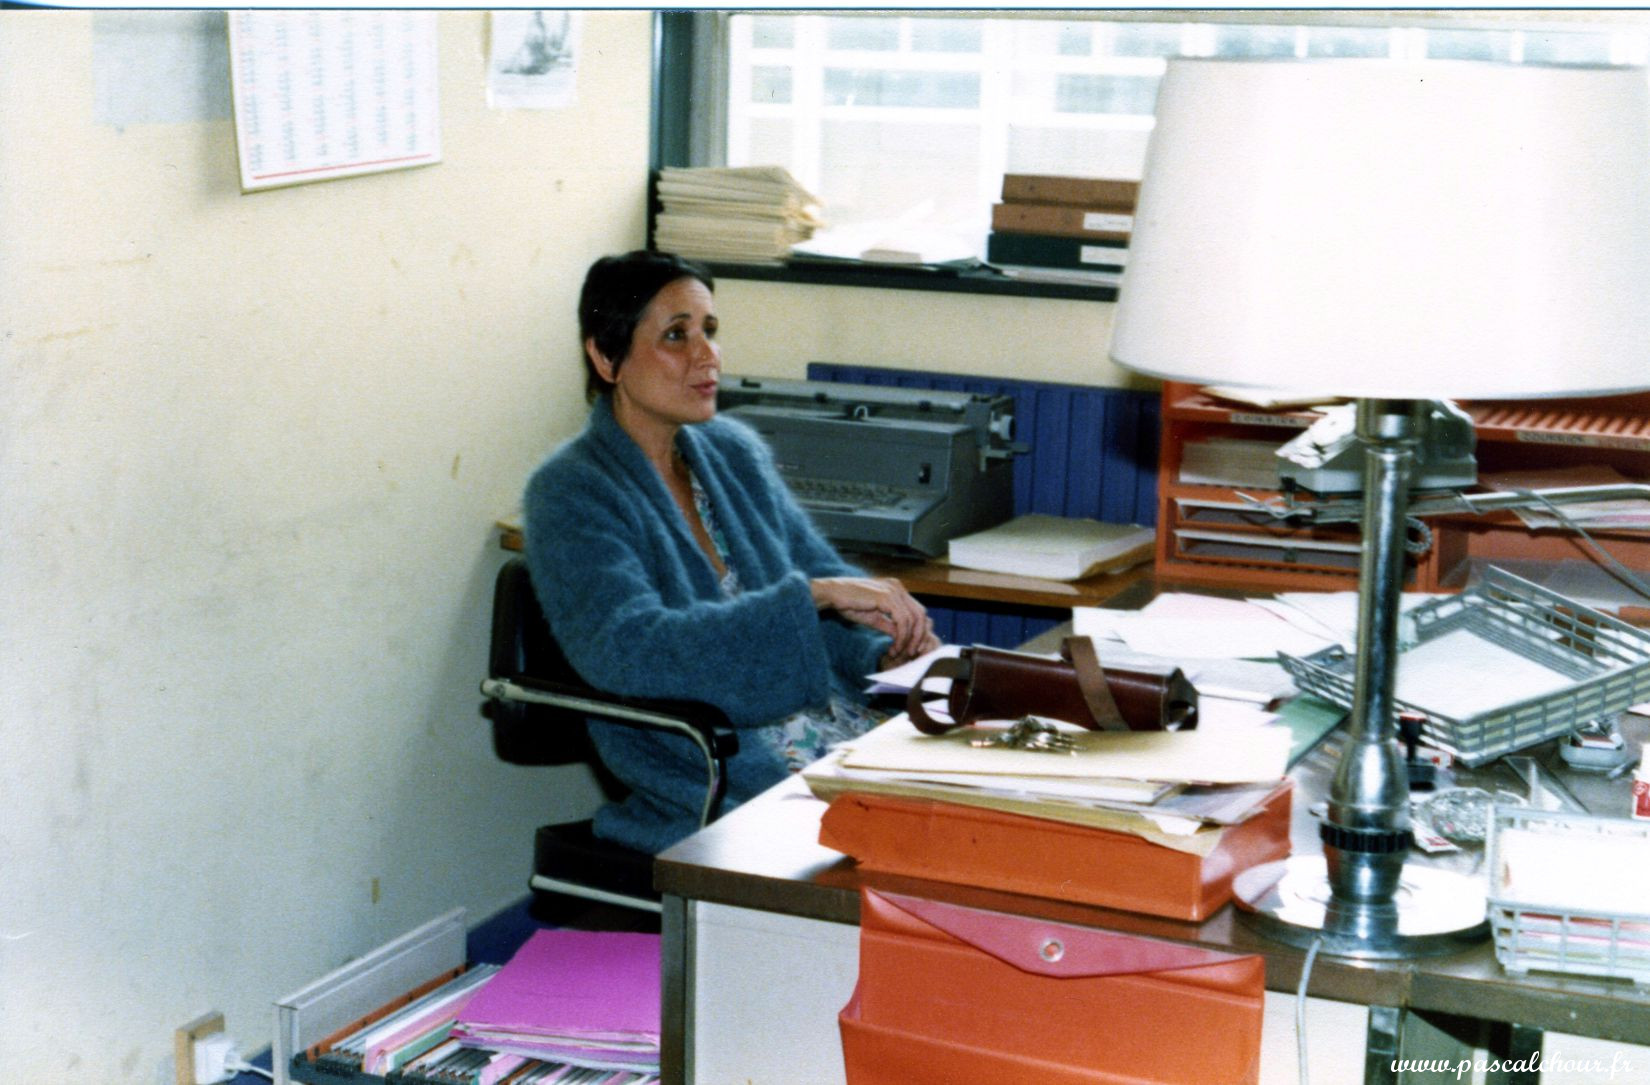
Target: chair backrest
x,y
539,705
522,645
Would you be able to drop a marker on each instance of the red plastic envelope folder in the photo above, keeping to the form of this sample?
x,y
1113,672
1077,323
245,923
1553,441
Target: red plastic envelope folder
x,y
949,994
970,845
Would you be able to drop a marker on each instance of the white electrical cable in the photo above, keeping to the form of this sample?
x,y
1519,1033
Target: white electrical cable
x,y
239,1065
1300,1007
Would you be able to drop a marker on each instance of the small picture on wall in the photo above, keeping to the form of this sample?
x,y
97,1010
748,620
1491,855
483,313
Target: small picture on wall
x,y
534,60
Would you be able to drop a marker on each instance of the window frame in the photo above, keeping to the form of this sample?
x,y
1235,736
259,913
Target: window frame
x,y
691,65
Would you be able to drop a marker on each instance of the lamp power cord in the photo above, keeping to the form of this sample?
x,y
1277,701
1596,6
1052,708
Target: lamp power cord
x,y
1300,1009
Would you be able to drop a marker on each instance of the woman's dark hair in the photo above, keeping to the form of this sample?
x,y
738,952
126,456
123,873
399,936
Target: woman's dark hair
x,y
617,290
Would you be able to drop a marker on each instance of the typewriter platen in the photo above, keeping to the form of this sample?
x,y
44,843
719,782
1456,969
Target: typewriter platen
x,y
883,469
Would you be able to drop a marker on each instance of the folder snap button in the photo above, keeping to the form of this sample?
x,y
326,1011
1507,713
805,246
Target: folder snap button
x,y
1051,950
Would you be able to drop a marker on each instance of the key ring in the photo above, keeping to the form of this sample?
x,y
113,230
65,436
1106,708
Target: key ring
x,y
1029,733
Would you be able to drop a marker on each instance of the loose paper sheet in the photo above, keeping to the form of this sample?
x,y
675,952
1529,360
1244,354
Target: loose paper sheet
x,y
1184,625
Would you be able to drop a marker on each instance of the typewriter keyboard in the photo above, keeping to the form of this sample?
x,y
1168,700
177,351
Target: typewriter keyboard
x,y
840,493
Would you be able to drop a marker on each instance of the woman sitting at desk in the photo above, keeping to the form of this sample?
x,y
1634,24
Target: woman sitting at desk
x,y
671,561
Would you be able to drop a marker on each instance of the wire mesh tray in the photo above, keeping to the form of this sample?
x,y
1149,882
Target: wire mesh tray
x,y
1536,928
1500,667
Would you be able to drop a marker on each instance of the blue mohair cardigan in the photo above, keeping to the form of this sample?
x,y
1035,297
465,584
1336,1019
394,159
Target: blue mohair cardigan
x,y
638,609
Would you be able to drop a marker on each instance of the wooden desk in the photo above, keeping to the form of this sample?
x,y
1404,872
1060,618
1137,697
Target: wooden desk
x,y
762,863
938,580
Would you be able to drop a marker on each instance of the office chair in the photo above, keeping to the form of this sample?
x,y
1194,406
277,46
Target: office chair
x,y
538,707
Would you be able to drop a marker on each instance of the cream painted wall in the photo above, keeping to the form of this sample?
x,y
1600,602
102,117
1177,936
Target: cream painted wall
x,y
251,451
774,330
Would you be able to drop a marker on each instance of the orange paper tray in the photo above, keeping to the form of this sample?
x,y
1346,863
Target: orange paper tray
x,y
970,845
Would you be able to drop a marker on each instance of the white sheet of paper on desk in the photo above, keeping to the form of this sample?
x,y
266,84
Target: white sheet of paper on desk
x,y
1332,614
1099,623
1229,757
1232,718
1461,674
1254,680
1184,626
906,675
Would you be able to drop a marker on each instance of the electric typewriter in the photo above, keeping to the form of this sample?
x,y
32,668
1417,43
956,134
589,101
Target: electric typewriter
x,y
884,469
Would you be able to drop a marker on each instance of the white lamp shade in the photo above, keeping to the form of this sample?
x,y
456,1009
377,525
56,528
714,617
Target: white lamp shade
x,y
1410,230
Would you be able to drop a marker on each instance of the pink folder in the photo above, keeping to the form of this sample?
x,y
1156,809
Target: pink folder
x,y
583,985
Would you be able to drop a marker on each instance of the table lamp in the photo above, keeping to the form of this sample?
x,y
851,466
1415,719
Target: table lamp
x,y
1393,232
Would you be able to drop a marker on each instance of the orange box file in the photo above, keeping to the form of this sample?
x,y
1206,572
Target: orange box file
x,y
974,846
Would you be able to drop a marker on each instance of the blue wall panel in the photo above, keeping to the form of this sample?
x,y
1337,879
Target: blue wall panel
x,y
1093,454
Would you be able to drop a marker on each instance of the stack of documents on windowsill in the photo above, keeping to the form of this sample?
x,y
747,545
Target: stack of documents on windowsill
x,y
746,214
581,998
1053,547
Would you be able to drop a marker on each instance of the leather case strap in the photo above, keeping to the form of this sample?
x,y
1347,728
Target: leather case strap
x,y
1091,680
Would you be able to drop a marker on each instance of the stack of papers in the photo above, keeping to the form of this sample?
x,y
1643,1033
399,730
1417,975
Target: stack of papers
x,y
1175,789
747,214
583,998
1053,547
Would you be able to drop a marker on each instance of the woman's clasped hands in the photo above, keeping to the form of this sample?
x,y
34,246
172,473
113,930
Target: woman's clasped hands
x,y
883,605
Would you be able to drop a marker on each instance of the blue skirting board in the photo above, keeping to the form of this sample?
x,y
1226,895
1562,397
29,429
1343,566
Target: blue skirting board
x,y
1093,454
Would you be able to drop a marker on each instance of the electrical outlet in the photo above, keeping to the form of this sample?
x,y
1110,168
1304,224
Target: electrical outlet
x,y
183,1043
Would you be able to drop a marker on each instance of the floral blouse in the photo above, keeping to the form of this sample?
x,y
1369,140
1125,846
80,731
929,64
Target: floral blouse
x,y
803,737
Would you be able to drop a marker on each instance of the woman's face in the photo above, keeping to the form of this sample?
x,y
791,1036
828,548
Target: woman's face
x,y
669,377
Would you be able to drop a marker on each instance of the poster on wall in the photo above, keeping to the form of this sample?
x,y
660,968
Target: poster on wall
x,y
534,59
320,95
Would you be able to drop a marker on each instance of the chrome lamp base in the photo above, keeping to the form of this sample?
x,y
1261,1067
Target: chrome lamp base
x,y
1434,912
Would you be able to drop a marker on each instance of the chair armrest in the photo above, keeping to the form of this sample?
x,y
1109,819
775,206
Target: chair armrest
x,y
704,725
706,719
538,702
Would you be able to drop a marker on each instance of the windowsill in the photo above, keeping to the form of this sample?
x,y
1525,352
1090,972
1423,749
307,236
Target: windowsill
x,y
901,277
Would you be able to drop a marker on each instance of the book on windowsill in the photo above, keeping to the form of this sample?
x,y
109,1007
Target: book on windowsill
x,y
1075,191
1044,250
1063,220
1053,547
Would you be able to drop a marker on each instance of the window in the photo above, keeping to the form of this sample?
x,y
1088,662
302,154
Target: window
x,y
916,117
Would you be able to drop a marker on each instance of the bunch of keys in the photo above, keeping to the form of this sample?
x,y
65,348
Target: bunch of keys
x,y
1029,733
